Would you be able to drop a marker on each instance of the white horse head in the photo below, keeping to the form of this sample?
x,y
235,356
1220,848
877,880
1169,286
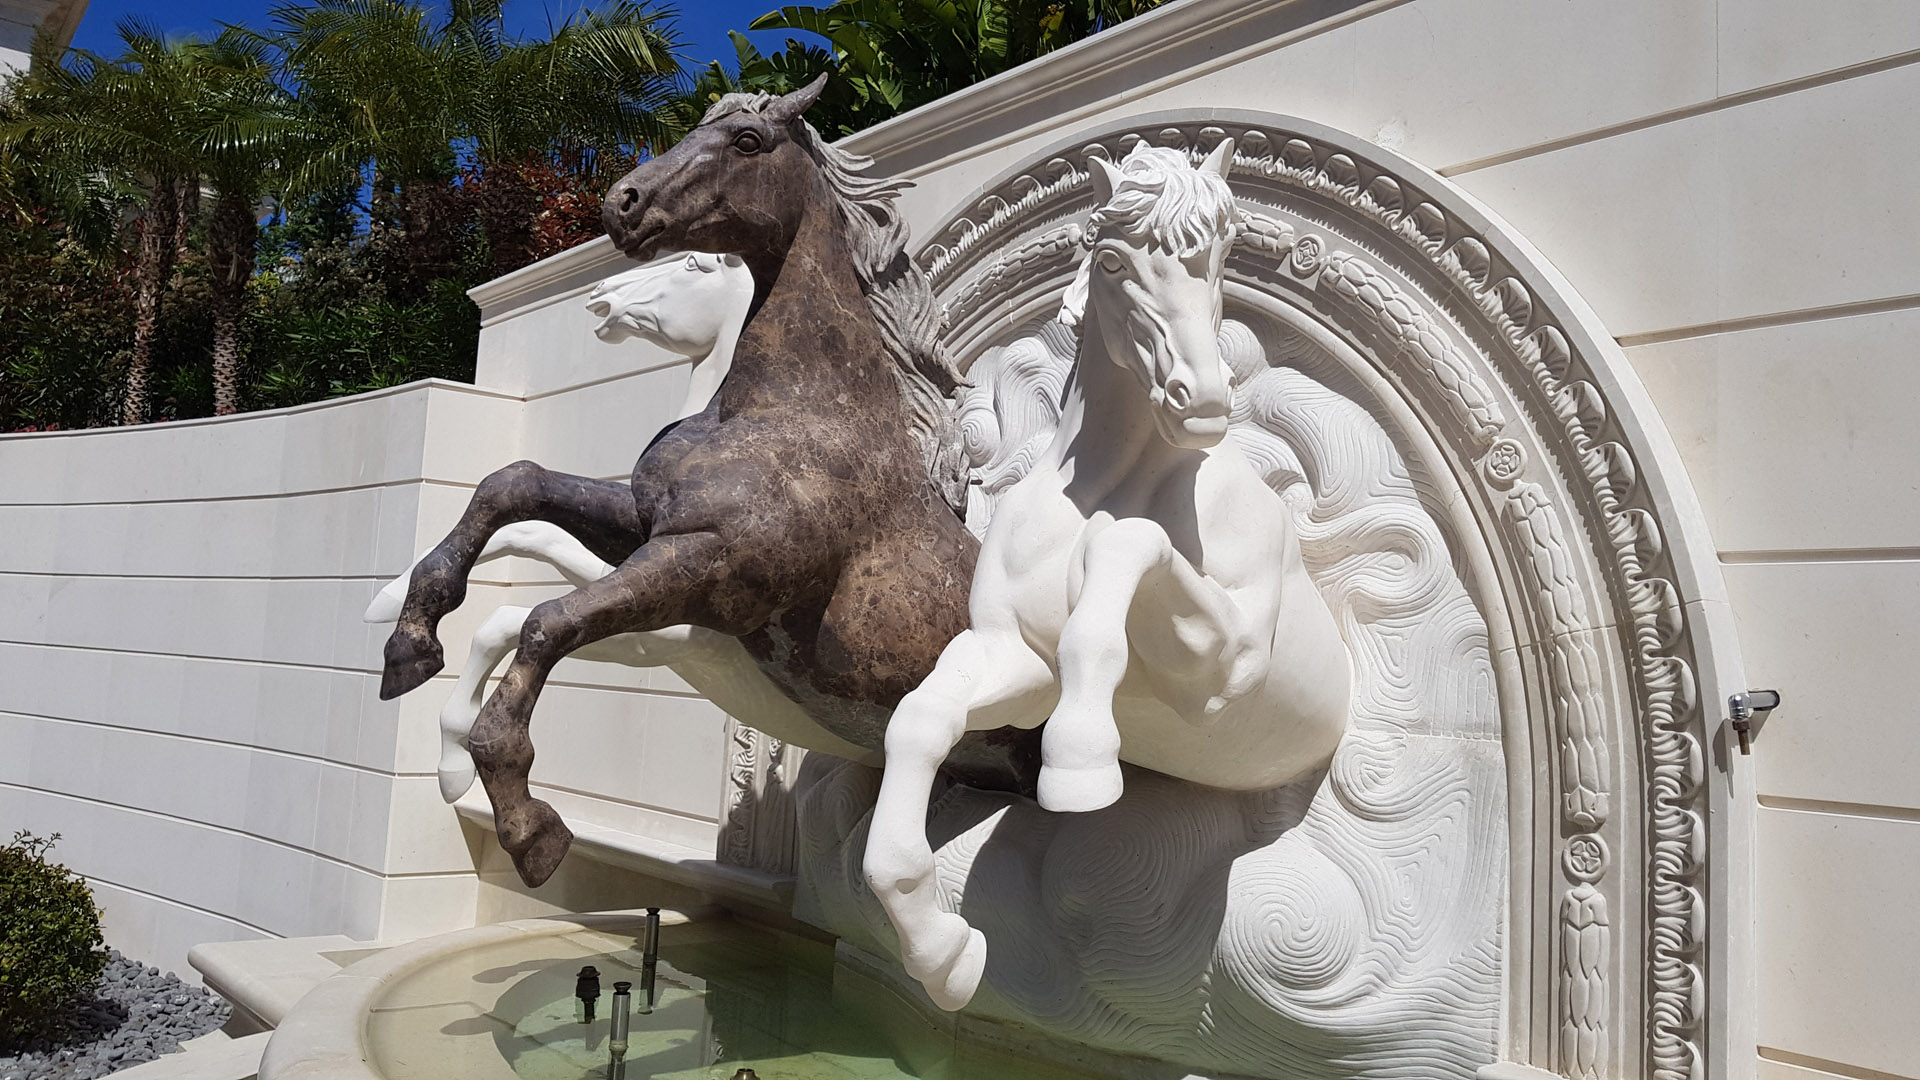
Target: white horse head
x,y
1160,238
691,303
683,302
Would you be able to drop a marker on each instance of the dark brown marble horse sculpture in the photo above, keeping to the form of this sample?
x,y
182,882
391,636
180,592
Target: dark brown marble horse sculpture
x,y
798,513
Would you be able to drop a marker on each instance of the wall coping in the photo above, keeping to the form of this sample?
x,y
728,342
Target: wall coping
x,y
416,386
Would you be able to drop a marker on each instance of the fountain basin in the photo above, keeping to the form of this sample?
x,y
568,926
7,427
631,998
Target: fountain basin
x,y
498,1003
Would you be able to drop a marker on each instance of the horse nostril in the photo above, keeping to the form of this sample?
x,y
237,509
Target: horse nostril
x,y
628,197
1177,394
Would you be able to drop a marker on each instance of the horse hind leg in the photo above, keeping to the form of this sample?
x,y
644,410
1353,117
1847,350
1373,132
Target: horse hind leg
x,y
658,586
981,682
495,638
492,641
600,513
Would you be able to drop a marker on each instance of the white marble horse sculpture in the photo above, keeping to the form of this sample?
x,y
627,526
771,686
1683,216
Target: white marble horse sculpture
x,y
1143,560
693,304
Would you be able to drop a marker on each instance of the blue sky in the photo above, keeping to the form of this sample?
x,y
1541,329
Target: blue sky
x,y
703,23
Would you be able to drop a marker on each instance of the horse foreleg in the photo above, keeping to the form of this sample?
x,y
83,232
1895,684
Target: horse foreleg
x,y
981,681
601,514
662,584
1133,564
1080,747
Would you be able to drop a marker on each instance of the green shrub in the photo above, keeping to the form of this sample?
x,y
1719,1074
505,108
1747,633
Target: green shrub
x,y
51,952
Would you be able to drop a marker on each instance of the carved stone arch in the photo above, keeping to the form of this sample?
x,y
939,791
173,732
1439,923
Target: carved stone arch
x,y
1571,524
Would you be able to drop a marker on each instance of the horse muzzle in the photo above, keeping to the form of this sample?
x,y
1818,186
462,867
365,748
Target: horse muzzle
x,y
1193,432
1188,422
632,222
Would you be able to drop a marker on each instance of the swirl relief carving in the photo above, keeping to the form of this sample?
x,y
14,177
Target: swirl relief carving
x,y
1343,925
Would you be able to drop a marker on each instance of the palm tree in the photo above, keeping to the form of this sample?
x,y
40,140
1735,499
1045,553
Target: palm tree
x,y
602,83
250,141
420,98
377,76
126,122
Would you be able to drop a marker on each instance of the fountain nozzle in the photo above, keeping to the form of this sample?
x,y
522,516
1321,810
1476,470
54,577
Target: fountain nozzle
x,y
617,1037
586,987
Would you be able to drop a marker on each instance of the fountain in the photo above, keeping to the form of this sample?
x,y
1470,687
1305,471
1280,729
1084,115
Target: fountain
x,y
1221,762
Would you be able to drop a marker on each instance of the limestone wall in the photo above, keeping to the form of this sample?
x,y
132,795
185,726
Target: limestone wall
x,y
190,695
189,692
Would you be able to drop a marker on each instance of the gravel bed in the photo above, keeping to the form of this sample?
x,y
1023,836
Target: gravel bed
x,y
137,1014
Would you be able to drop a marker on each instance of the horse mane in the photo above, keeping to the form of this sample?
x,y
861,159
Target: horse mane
x,y
895,287
1162,199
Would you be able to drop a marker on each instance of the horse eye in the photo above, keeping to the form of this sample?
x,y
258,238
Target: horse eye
x,y
693,263
1110,262
747,142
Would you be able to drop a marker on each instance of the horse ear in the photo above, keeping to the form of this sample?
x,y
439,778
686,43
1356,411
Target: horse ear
x,y
790,106
1106,179
1221,160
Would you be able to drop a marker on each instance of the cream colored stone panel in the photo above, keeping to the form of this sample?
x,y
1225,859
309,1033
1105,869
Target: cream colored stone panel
x,y
423,834
1442,81
1838,640
1798,437
365,441
1789,203
308,622
469,435
343,533
653,751
601,430
1836,944
158,931
317,713
277,797
273,887
414,907
1771,1069
1762,42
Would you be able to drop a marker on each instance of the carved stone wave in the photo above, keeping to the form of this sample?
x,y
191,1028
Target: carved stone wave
x,y
1350,924
1596,598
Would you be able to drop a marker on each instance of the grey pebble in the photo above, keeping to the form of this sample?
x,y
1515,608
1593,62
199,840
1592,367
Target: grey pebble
x,y
138,1013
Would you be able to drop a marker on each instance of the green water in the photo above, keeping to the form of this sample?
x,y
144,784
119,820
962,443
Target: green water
x,y
729,995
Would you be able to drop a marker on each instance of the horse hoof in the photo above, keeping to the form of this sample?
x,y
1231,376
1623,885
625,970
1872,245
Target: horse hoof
x,y
544,845
952,989
411,661
1078,791
456,774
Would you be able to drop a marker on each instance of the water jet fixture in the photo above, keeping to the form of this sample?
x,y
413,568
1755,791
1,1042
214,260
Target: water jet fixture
x,y
617,1037
649,960
586,988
